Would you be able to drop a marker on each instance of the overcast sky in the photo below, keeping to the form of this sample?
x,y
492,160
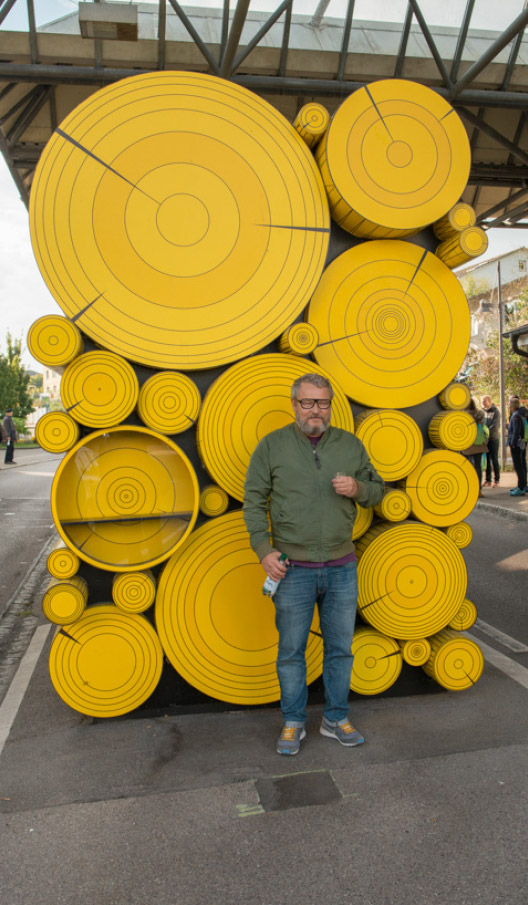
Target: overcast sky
x,y
23,293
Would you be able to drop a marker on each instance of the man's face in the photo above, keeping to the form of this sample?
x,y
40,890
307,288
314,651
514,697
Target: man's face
x,y
486,402
312,421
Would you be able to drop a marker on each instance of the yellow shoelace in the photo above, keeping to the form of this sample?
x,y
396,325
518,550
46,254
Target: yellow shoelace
x,y
347,727
288,733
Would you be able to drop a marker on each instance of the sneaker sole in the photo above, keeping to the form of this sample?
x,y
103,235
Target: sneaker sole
x,y
352,744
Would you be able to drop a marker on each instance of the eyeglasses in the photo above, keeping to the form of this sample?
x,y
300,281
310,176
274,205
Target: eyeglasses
x,y
309,403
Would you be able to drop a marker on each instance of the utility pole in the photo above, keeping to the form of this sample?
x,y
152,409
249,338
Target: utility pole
x,y
502,405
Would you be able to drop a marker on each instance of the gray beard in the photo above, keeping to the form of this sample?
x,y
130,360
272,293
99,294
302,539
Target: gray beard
x,y
312,430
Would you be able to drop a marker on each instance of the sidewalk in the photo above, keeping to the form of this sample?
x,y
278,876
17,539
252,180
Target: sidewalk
x,y
499,501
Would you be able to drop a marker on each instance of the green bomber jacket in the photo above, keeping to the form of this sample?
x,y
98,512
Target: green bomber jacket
x,y
291,479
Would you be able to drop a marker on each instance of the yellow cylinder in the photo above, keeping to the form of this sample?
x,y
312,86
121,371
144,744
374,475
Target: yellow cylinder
x,y
415,652
394,507
452,430
62,562
443,488
395,158
213,501
299,339
311,123
456,662
463,247
65,601
106,664
54,341
134,592
56,432
169,402
393,441
99,389
377,661
459,217
465,618
456,396
460,533
362,521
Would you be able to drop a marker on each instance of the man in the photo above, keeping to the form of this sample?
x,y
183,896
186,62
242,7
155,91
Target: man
x,y
517,445
10,434
492,456
309,476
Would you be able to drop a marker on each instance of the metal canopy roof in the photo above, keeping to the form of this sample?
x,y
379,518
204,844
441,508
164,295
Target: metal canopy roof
x,y
287,59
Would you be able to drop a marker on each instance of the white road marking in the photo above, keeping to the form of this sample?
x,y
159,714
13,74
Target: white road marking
x,y
512,669
516,646
21,680
40,474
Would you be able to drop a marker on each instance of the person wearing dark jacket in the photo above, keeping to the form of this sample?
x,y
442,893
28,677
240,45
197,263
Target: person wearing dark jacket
x,y
10,434
303,483
517,445
493,420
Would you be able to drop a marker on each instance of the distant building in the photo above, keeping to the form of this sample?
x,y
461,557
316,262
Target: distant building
x,y
480,283
51,383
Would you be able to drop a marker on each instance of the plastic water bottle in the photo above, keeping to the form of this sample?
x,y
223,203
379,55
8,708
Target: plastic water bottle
x,y
270,585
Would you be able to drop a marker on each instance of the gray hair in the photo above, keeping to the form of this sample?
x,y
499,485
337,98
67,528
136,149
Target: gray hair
x,y
317,380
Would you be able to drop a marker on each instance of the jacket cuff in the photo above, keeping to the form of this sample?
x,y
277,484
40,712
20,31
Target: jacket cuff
x,y
361,495
262,549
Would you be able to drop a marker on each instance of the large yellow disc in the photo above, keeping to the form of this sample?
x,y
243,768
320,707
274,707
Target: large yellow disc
x,y
99,389
377,661
124,499
245,403
456,662
169,402
215,625
393,441
57,432
411,579
443,488
133,592
396,155
363,521
452,430
179,219
107,663
62,562
393,323
54,340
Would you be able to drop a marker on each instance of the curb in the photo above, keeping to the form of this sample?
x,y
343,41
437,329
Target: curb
x,y
502,512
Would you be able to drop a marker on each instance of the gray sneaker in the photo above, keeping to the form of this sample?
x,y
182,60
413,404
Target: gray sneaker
x,y
343,731
290,739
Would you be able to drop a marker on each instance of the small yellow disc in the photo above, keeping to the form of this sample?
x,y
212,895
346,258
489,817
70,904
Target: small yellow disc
x,y
453,430
247,402
416,652
456,396
56,432
124,499
215,625
169,402
99,389
133,592
411,579
362,521
180,219
107,663
311,123
461,534
377,661
394,507
64,601
62,562
443,488
299,339
393,323
393,441
456,662
54,340
465,618
213,501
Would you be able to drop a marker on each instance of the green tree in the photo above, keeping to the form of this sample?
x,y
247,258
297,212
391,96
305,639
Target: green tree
x,y
482,365
14,380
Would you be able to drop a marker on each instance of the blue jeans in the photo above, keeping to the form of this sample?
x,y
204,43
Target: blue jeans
x,y
334,588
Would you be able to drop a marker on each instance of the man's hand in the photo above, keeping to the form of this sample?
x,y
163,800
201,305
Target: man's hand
x,y
273,567
345,486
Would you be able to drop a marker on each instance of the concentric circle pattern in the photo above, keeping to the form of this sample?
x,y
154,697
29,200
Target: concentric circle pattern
x,y
56,432
461,534
393,323
299,339
377,661
180,219
456,662
463,246
396,156
312,122
443,488
99,389
216,627
416,652
64,601
248,401
394,507
213,501
453,430
459,217
108,663
465,618
456,396
393,441
62,562
169,402
411,580
54,340
134,592
124,499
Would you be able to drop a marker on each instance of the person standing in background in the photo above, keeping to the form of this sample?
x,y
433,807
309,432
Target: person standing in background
x,y
517,445
11,436
493,420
